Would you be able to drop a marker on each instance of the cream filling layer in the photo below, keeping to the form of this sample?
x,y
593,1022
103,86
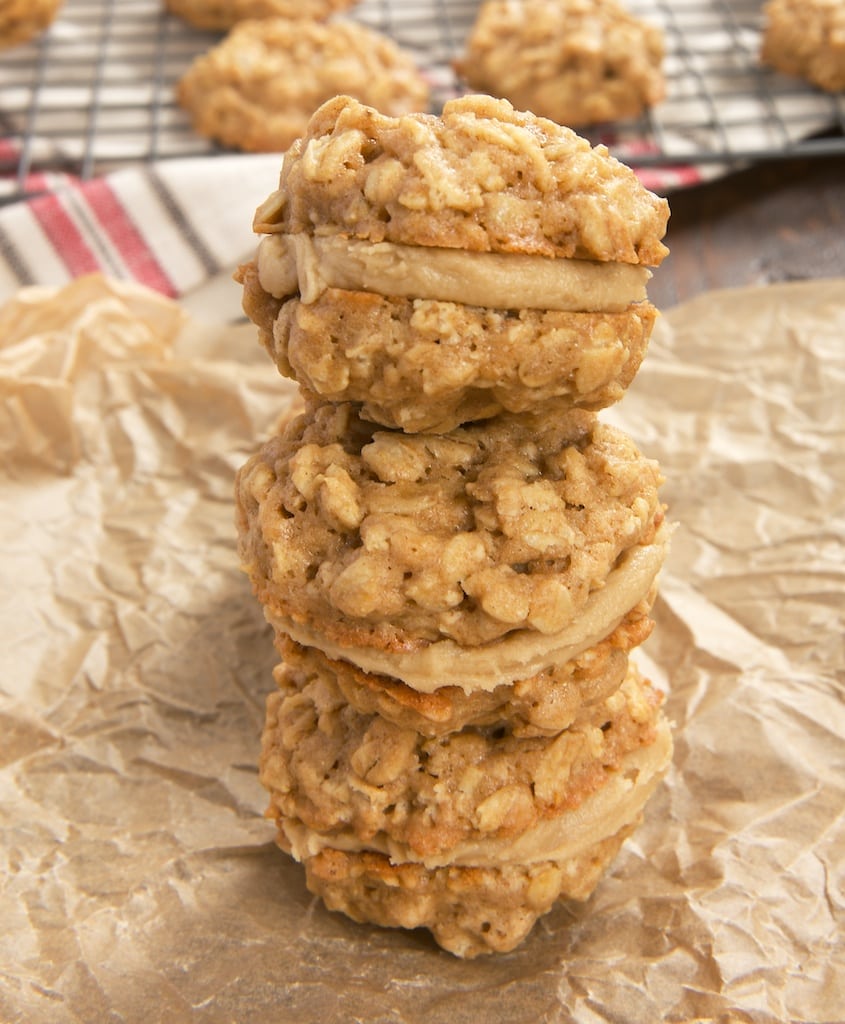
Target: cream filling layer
x,y
617,804
308,264
517,655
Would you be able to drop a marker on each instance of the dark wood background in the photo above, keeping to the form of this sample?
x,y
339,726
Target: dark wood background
x,y
780,220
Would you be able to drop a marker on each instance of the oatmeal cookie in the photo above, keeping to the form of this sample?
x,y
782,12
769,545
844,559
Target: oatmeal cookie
x,y
256,89
22,20
220,15
490,904
482,177
541,705
806,38
383,543
336,770
470,911
422,364
574,61
443,270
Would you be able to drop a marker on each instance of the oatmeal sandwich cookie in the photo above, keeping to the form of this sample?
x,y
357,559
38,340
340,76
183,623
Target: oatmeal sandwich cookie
x,y
423,364
256,89
470,911
419,833
466,559
574,61
542,704
443,269
220,15
806,38
356,777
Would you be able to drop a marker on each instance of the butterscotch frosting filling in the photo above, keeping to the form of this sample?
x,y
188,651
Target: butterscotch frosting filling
x,y
616,805
308,265
517,655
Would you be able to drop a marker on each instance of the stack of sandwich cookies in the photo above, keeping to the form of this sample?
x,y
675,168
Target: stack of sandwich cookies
x,y
455,553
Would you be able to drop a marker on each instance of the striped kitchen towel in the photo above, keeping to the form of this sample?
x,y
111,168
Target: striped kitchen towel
x,y
172,226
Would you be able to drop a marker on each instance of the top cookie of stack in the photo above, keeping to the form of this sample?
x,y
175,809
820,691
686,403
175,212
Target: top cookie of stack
x,y
441,270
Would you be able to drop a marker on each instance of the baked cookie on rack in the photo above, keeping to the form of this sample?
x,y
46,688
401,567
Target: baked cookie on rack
x,y
257,88
443,269
22,20
220,15
806,39
576,62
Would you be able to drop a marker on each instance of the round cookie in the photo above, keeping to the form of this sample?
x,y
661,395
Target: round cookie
x,y
336,770
461,558
22,20
470,911
439,270
806,39
575,61
422,364
490,906
220,15
540,705
482,177
257,88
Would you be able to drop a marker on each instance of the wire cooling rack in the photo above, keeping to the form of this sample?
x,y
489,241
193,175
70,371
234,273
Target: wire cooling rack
x,y
96,91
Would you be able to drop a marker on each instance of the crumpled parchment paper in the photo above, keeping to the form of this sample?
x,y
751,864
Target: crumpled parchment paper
x,y
139,879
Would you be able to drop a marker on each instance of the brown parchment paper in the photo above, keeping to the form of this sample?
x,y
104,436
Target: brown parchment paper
x,y
140,882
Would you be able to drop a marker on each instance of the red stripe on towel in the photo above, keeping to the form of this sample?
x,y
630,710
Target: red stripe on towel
x,y
64,236
127,240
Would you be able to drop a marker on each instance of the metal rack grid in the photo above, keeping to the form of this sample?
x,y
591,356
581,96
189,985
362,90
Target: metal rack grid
x,y
96,91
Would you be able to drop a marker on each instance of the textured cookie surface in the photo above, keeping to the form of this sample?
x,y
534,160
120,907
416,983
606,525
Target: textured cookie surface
x,y
539,705
21,20
382,539
470,911
335,769
256,89
220,15
482,177
491,904
574,61
806,38
429,365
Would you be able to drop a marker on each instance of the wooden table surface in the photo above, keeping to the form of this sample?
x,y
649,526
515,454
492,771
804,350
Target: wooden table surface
x,y
776,221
